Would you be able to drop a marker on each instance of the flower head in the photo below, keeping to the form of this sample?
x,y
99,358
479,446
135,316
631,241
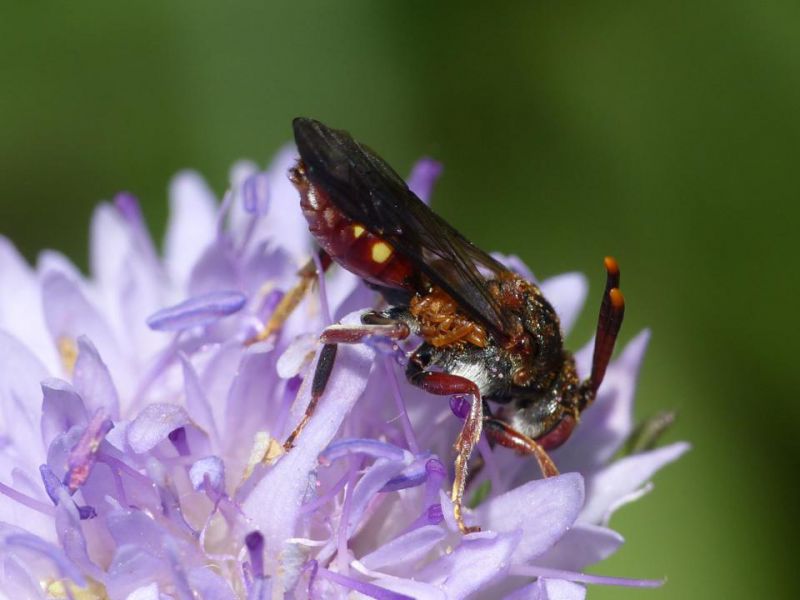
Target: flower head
x,y
142,437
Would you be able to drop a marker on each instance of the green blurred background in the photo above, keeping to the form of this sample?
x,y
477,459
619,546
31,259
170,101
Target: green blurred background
x,y
665,133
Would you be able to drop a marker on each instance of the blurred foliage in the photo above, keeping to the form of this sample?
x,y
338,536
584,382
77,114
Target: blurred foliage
x,y
663,133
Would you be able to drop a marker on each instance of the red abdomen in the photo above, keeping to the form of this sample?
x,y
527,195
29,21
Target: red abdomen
x,y
349,243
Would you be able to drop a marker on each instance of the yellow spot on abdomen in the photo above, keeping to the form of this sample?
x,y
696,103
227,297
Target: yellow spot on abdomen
x,y
381,251
358,231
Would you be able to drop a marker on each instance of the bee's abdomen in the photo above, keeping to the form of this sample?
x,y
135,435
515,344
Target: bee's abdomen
x,y
350,243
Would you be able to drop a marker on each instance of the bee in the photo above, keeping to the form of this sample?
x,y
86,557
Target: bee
x,y
487,334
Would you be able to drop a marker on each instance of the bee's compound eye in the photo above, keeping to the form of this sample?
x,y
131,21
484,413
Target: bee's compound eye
x,y
558,434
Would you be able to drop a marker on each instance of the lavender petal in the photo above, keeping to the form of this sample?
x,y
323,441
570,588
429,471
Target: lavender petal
x,y
70,315
423,177
197,403
560,574
367,447
256,193
62,409
92,380
607,423
418,590
275,515
365,588
191,226
549,589
197,311
567,294
208,585
413,475
623,477
20,374
43,548
479,560
544,510
147,592
208,471
404,549
16,316
154,424
297,355
581,546
216,269
370,484
286,228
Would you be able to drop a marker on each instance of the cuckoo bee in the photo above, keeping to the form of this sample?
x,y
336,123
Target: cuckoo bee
x,y
487,333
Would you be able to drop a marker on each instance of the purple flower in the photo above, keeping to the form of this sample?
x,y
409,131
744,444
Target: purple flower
x,y
142,437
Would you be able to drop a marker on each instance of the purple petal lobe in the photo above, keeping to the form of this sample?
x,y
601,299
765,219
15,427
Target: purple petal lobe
x,y
128,205
255,193
215,270
208,471
286,227
192,223
297,354
208,585
51,483
413,475
372,448
477,562
566,293
148,592
154,424
200,310
16,316
274,514
93,381
260,590
20,374
70,315
405,549
623,477
373,480
39,546
607,423
549,589
197,403
534,571
368,589
414,589
544,510
62,409
423,177
581,546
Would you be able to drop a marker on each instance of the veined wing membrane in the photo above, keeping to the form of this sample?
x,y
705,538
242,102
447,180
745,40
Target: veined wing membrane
x,y
366,189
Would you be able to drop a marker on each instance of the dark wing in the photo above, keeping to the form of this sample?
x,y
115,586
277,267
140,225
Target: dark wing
x,y
366,189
